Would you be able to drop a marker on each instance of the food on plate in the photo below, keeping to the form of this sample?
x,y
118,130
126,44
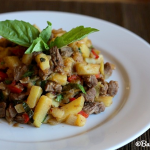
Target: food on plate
x,y
51,76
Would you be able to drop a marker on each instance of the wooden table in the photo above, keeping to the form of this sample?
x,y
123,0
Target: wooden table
x,y
134,16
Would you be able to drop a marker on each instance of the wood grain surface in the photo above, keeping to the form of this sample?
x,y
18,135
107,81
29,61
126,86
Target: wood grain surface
x,y
132,16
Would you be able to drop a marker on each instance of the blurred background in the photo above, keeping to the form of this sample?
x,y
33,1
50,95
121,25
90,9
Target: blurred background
x,y
133,15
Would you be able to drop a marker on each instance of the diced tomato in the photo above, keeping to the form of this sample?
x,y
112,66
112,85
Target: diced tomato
x,y
3,76
83,114
71,99
14,88
26,118
97,75
94,53
73,78
18,52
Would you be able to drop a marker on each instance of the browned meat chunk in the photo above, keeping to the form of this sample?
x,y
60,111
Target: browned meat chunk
x,y
19,118
34,54
19,71
10,113
90,95
66,51
2,86
2,109
53,87
90,81
112,88
77,56
20,96
93,107
25,80
57,59
107,70
44,75
104,88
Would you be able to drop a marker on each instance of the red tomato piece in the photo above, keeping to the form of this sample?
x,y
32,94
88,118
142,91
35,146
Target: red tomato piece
x,y
97,75
94,53
3,76
71,99
83,114
14,88
26,118
18,52
72,78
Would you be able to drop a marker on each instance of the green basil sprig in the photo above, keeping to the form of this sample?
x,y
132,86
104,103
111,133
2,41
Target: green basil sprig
x,y
19,32
25,34
40,43
73,35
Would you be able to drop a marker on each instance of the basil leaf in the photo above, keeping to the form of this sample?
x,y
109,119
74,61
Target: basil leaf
x,y
73,35
37,46
74,85
27,109
43,84
8,81
19,32
46,33
59,98
81,88
45,118
28,74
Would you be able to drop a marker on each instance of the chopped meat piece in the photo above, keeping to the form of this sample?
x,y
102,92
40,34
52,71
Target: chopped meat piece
x,y
35,70
19,71
2,109
107,70
20,96
57,59
51,65
104,88
34,54
19,118
112,88
93,107
66,51
53,87
2,86
44,75
101,79
12,111
77,56
25,80
6,43
90,95
7,116
90,81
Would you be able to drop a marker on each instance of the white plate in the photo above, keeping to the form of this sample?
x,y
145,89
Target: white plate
x,y
128,116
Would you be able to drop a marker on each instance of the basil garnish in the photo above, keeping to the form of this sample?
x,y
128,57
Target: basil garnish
x,y
73,35
19,32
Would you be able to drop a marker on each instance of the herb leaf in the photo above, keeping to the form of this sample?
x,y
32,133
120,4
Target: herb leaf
x,y
74,85
59,98
46,33
7,81
27,109
28,74
81,88
43,83
19,32
73,35
37,46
